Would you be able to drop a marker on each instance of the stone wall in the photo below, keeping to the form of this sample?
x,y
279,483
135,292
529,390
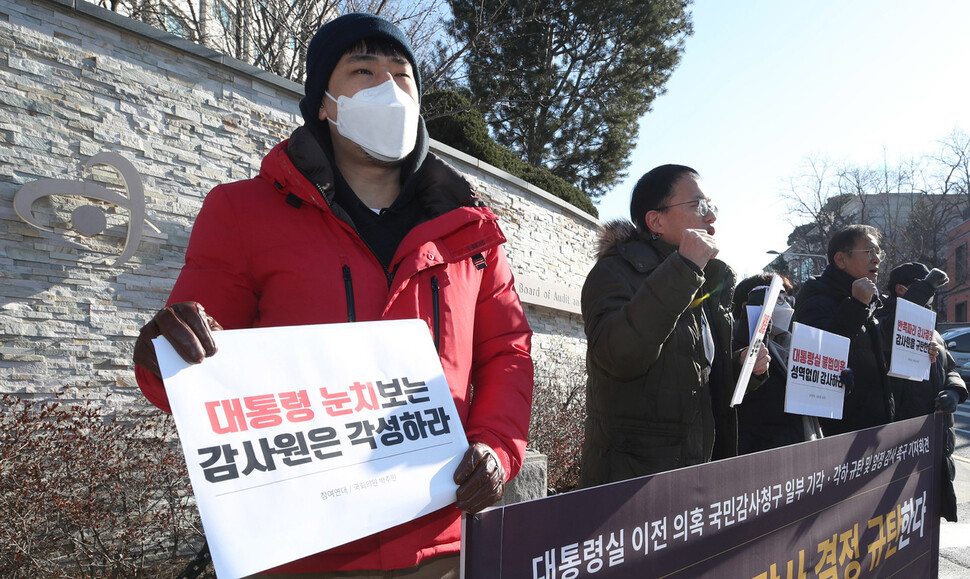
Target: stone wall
x,y
77,81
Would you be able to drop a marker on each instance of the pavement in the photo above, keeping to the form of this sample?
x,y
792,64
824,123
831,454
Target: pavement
x,y
955,537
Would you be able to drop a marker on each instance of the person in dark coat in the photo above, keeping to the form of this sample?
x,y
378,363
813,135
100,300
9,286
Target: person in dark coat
x,y
843,300
763,423
657,314
944,389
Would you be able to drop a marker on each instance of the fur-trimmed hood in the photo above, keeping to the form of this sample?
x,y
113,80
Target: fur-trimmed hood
x,y
615,232
623,238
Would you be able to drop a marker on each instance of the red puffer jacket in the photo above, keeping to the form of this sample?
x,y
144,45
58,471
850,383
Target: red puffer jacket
x,y
270,251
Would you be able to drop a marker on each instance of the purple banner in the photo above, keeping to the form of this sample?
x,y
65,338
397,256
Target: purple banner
x,y
863,504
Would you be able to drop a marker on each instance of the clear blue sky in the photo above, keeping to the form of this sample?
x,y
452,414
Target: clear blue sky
x,y
763,85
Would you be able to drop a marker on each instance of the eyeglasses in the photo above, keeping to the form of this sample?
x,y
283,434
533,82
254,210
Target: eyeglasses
x,y
703,207
874,252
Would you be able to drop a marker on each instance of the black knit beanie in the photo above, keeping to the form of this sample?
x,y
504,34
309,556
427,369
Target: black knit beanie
x,y
330,43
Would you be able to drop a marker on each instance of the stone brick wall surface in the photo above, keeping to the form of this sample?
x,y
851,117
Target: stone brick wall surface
x,y
76,81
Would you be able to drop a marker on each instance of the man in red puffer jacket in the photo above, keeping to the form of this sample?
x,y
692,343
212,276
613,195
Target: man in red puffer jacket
x,y
352,219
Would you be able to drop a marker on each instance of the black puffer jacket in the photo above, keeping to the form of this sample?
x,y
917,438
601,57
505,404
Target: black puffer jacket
x,y
653,402
825,302
915,399
763,423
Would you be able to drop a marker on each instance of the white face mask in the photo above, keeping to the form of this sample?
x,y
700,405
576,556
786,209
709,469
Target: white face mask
x,y
781,317
383,120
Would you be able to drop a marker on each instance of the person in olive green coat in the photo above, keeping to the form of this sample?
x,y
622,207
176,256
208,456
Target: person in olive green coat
x,y
657,314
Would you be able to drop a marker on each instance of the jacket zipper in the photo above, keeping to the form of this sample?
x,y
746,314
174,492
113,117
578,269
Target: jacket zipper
x,y
387,273
349,290
435,313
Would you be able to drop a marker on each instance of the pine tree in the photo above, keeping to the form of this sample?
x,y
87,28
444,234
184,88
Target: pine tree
x,y
565,82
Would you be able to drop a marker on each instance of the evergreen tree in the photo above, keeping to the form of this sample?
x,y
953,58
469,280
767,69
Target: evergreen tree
x,y
565,82
466,131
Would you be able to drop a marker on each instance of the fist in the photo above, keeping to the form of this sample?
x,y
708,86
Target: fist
x,y
698,246
947,401
937,278
863,289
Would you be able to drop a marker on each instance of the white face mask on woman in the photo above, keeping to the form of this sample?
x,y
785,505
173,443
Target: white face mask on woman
x,y
781,318
383,120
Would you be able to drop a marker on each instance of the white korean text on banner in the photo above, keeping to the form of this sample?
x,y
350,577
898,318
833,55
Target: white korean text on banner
x,y
299,439
863,504
912,334
816,360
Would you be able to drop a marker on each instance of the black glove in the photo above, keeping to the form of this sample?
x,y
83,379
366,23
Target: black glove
x,y
936,278
847,378
946,401
186,326
921,291
480,477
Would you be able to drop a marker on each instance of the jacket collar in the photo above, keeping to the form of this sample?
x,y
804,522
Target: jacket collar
x,y
643,253
304,167
320,134
623,238
838,284
311,151
836,279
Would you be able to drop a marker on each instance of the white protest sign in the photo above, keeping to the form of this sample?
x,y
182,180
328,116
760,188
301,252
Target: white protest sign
x,y
815,363
754,312
299,439
757,340
912,334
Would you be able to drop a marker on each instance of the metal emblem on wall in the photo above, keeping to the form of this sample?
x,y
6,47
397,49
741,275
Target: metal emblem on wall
x,y
90,220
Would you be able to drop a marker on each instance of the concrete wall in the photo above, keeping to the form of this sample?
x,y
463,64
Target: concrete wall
x,y
77,81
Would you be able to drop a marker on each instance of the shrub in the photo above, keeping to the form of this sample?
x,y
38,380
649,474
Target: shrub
x,y
85,492
467,131
559,414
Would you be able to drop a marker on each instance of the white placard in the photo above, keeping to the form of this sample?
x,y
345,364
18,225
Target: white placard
x,y
299,439
815,363
912,334
754,312
757,340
